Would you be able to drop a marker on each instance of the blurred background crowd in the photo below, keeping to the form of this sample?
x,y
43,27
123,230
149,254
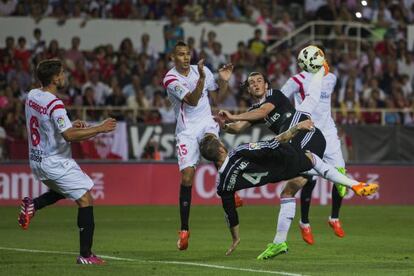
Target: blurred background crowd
x,y
130,76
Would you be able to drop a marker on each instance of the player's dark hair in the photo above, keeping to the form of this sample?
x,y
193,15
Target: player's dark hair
x,y
47,69
180,43
209,148
244,85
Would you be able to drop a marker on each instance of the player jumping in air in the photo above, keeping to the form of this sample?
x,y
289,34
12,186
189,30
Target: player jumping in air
x,y
50,132
257,164
188,87
317,104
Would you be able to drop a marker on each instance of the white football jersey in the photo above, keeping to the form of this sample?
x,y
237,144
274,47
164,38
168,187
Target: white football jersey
x,y
46,119
297,88
178,86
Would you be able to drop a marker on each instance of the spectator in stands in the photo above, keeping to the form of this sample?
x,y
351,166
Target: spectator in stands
x,y
147,48
154,86
22,54
167,112
173,32
10,47
211,39
21,76
122,9
194,54
53,49
138,101
7,7
215,57
74,54
99,89
285,25
242,57
392,117
38,45
256,44
129,89
350,107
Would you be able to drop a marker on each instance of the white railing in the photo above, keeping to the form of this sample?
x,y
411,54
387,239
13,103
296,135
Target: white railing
x,y
105,111
307,34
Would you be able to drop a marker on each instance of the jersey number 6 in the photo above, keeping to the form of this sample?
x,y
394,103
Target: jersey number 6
x,y
34,132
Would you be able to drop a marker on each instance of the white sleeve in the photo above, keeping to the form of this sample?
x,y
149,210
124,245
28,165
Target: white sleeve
x,y
60,119
313,94
290,88
175,88
211,84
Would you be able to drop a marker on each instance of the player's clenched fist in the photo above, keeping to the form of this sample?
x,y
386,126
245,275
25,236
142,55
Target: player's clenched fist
x,y
108,125
226,116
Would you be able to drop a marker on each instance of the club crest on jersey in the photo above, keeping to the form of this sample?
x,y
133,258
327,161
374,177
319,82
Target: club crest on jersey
x,y
178,89
254,146
61,122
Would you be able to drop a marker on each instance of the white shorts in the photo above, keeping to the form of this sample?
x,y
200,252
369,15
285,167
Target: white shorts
x,y
188,152
333,153
63,176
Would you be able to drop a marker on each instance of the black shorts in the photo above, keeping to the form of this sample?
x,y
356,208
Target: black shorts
x,y
314,141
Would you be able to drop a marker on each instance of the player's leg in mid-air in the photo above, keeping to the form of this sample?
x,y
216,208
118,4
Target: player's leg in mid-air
x,y
74,184
288,202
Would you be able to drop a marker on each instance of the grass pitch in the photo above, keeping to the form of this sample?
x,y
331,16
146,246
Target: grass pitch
x,y
378,241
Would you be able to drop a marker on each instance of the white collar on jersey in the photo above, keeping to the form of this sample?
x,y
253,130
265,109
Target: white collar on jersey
x,y
223,166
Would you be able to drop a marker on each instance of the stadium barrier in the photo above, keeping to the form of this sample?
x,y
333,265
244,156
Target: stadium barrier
x,y
158,184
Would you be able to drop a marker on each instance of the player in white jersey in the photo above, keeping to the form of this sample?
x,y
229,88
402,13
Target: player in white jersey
x,y
50,132
318,107
188,87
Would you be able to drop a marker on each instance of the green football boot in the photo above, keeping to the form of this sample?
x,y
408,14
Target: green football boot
x,y
342,190
273,250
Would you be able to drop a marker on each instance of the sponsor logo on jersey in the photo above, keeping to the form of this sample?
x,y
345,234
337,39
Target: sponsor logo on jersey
x,y
61,122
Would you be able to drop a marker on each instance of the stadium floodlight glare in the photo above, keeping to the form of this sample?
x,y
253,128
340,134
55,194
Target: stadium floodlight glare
x,y
364,3
358,14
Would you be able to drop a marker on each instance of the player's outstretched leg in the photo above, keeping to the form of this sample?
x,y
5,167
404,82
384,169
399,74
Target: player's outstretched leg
x,y
333,220
329,172
86,224
305,201
187,176
29,206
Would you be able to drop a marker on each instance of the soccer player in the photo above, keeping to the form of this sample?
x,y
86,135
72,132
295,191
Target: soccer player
x,y
318,106
257,164
188,87
50,132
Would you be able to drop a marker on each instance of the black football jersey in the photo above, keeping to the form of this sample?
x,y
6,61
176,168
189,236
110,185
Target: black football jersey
x,y
256,164
283,115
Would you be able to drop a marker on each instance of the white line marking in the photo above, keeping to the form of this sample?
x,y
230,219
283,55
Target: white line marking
x,y
160,262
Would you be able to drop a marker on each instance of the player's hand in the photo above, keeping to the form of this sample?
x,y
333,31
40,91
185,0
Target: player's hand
x,y
200,67
108,125
220,121
226,71
306,125
79,124
226,116
233,246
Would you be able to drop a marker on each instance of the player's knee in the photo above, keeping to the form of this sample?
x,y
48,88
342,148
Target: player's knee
x,y
86,200
187,176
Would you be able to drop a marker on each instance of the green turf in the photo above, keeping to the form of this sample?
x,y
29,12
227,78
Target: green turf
x,y
379,241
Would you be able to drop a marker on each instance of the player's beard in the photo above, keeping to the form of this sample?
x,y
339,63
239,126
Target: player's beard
x,y
60,85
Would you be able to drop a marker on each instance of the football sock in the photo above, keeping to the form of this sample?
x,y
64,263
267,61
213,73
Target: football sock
x,y
329,172
86,226
305,199
46,199
336,203
286,215
185,204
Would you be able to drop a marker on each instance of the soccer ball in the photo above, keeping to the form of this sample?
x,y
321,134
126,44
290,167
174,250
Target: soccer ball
x,y
311,59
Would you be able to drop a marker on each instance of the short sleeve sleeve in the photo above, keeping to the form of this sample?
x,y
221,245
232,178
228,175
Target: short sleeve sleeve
x,y
175,88
290,88
60,118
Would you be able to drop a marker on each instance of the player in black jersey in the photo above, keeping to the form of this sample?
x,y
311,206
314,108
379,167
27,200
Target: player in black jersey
x,y
274,109
257,164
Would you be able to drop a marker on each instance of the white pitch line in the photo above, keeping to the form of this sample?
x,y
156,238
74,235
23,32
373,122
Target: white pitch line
x,y
160,262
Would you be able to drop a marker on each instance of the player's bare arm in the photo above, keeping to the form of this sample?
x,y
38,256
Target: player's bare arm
x,y
232,128
235,239
193,97
74,134
250,116
286,136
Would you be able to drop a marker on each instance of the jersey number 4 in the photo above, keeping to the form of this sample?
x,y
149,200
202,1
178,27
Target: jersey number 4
x,y
254,178
34,131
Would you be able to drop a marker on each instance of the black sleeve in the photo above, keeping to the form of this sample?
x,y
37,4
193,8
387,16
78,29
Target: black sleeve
x,y
229,207
257,152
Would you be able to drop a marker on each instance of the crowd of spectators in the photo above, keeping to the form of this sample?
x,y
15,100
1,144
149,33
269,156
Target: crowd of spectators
x,y
130,76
